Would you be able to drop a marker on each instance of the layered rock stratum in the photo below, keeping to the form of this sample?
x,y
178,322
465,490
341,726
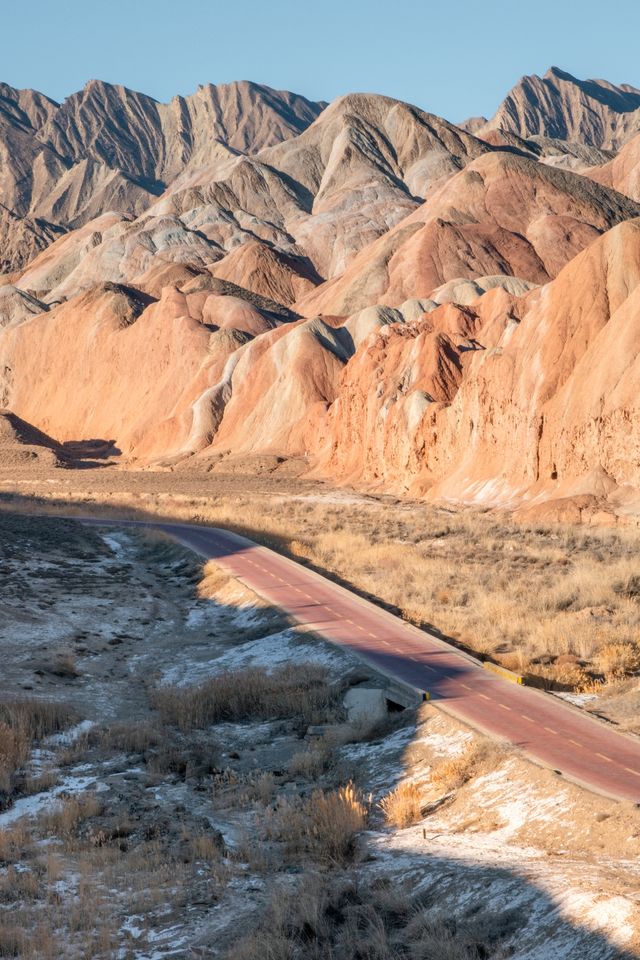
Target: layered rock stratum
x,y
398,302
594,113
109,148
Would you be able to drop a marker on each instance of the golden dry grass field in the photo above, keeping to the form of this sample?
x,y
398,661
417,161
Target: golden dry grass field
x,y
559,604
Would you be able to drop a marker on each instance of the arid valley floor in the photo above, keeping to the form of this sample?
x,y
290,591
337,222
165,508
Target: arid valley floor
x,y
199,787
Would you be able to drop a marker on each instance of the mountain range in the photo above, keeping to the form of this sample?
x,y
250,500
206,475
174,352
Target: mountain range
x,y
382,296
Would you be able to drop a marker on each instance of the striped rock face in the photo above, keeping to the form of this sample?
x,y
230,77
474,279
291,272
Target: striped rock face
x,y
403,304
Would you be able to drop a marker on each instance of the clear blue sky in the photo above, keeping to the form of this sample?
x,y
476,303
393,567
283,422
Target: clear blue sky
x,y
456,58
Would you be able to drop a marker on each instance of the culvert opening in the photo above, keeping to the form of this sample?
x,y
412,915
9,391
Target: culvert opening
x,y
394,707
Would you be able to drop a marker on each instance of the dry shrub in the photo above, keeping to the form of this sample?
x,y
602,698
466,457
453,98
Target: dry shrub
x,y
237,790
23,935
324,825
628,586
453,772
66,816
343,919
618,659
311,762
133,737
15,746
17,886
254,693
54,867
15,843
206,848
13,941
22,723
64,665
402,806
263,788
213,580
39,718
566,676
188,758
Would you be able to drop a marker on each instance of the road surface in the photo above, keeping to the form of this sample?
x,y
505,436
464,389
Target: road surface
x,y
582,748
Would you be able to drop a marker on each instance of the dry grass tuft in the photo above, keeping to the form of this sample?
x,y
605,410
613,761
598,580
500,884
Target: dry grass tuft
x,y
323,826
65,818
15,843
480,756
616,660
65,665
298,690
402,806
23,723
134,737
348,918
311,762
213,580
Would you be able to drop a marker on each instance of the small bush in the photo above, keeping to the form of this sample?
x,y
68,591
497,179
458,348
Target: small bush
x,y
402,807
65,818
618,659
454,772
189,760
13,941
311,762
19,885
15,842
136,737
324,826
22,723
64,665
628,587
299,690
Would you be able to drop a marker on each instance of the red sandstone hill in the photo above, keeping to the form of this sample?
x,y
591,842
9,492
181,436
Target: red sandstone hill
x,y
502,214
406,306
623,172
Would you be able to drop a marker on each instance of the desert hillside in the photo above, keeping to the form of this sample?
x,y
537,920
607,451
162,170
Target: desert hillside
x,y
397,302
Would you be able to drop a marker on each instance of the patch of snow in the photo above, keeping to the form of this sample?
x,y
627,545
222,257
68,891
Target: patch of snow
x,y
577,699
270,651
38,803
113,543
68,737
131,927
196,617
446,745
516,808
611,915
276,649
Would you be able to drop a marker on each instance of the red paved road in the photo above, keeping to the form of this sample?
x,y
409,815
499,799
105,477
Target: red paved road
x,y
564,738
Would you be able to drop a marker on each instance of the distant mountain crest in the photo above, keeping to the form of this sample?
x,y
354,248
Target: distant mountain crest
x,y
110,148
596,113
